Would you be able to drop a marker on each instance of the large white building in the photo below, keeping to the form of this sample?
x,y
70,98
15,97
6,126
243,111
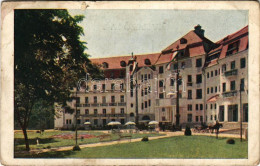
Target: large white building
x,y
210,75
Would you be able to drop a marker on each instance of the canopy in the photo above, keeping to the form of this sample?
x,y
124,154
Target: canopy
x,y
87,123
153,123
114,123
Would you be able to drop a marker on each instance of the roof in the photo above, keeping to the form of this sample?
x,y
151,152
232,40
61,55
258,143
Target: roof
x,y
222,45
114,62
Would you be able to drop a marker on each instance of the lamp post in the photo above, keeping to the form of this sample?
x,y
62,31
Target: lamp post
x,y
177,95
76,126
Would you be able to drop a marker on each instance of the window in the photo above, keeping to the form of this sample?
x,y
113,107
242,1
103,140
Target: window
x,y
207,74
199,79
172,82
163,118
206,106
161,69
189,118
189,107
145,91
103,87
215,117
211,106
242,63
122,98
77,100
245,112
197,107
233,65
142,106
201,118
223,87
105,65
161,95
142,78
132,105
216,89
197,118
211,90
122,86
189,78
103,99
207,90
95,99
86,100
216,72
182,65
149,103
104,111
122,121
122,110
163,109
95,121
112,86
149,76
161,83
211,117
104,122
175,66
147,61
198,62
78,121
201,106
233,85
112,99
145,104
86,111
211,73
242,84
189,94
95,111
123,64
113,111
224,68
215,106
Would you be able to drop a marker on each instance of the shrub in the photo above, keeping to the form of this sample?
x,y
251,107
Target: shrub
x,y
76,148
187,131
230,141
145,139
48,147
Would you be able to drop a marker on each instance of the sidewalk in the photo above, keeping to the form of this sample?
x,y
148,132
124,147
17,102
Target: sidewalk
x,y
168,134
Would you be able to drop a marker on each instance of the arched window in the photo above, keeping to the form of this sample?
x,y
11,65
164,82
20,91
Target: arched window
x,y
105,65
146,117
132,114
147,62
123,64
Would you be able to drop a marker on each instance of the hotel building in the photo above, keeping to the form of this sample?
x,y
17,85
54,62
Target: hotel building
x,y
143,87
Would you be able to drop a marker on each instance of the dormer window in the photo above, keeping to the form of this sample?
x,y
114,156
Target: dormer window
x,y
105,65
232,48
183,41
147,62
123,64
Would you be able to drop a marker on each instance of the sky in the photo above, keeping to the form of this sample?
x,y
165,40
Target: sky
x,y
121,32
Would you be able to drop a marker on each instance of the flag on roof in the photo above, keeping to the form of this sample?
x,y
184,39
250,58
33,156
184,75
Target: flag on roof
x,y
168,66
135,64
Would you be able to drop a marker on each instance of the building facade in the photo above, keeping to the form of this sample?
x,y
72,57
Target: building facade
x,y
143,87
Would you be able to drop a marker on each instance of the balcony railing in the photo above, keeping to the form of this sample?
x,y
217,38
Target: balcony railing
x,y
104,104
104,115
189,84
122,104
231,73
229,94
112,104
95,105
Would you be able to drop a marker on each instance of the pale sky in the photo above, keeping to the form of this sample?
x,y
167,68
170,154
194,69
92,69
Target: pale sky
x,y
120,32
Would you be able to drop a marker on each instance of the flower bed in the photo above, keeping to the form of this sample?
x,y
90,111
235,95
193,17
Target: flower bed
x,y
72,135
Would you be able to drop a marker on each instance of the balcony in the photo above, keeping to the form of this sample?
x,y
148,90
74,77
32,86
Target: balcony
x,y
95,105
229,94
165,102
104,104
112,104
231,73
86,105
189,83
122,104
104,115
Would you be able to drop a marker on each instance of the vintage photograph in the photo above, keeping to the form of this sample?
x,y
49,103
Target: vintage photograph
x,y
106,83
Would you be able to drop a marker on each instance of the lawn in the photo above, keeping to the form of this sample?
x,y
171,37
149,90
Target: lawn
x,y
51,138
173,147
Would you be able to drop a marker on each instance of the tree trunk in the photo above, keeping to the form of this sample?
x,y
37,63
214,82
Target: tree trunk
x,y
26,140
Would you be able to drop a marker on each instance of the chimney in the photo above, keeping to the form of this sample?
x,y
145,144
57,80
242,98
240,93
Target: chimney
x,y
199,31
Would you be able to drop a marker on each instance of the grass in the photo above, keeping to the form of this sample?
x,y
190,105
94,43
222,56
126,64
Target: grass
x,y
173,147
46,140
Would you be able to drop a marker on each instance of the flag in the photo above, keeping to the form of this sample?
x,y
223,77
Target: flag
x,y
168,66
134,68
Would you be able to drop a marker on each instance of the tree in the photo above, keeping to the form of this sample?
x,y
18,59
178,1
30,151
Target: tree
x,y
49,60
